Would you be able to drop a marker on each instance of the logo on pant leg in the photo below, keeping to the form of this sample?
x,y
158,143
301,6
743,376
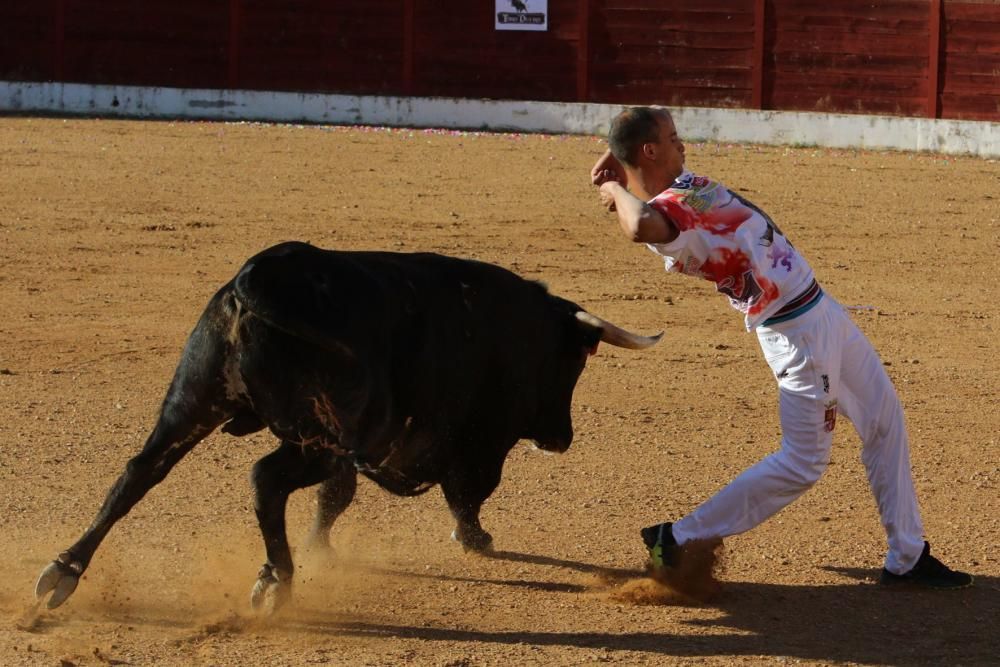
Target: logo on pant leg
x,y
826,383
830,416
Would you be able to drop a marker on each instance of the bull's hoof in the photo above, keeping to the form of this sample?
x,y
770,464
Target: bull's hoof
x,y
477,541
60,578
272,590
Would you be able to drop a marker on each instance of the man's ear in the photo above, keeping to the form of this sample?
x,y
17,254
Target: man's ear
x,y
649,151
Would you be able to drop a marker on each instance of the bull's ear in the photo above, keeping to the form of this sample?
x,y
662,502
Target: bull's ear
x,y
615,335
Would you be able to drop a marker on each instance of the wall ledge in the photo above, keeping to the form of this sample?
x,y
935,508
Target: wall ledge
x,y
834,130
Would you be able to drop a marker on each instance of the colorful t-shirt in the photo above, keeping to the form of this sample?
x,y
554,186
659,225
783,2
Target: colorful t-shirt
x,y
726,239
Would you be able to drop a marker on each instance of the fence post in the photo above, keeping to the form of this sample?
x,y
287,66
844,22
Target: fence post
x,y
235,19
59,42
932,108
583,52
408,42
757,74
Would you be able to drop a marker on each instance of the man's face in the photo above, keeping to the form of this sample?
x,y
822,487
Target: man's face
x,y
669,149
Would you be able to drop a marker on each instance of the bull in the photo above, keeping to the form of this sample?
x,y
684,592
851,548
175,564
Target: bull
x,y
411,369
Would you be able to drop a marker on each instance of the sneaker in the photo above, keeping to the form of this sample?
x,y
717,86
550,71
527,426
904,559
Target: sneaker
x,y
663,548
929,572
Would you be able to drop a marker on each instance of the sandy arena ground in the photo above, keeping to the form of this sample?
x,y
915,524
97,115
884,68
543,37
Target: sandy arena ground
x,y
113,235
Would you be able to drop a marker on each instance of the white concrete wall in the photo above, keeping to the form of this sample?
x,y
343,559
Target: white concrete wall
x,y
723,125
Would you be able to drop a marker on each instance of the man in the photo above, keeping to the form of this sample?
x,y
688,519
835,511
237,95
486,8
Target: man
x,y
823,364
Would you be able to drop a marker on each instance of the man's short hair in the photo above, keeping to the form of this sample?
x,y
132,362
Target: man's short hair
x,y
632,128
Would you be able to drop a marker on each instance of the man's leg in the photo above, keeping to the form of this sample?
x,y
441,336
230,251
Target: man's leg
x,y
769,485
873,406
871,403
805,363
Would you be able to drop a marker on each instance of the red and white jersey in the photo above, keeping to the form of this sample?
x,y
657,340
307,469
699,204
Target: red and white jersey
x,y
726,239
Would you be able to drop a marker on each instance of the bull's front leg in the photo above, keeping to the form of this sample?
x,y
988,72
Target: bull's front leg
x,y
333,496
466,487
274,478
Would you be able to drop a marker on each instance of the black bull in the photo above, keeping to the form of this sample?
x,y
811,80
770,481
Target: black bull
x,y
413,369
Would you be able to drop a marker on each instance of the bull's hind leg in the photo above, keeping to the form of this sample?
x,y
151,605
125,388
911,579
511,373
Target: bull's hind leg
x,y
175,434
274,478
333,496
196,403
466,487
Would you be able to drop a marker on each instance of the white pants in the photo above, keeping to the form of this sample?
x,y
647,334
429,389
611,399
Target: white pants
x,y
824,365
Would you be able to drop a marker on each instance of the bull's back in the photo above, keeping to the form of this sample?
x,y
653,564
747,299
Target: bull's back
x,y
368,299
444,340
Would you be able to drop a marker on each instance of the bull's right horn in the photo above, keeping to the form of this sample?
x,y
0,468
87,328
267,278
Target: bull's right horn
x,y
615,335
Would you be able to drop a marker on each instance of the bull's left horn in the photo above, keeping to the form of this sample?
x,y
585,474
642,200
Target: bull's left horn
x,y
615,335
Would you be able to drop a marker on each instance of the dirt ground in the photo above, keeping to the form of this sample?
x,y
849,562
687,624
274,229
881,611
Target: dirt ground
x,y
113,235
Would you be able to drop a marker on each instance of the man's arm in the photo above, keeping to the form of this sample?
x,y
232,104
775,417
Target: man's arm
x,y
639,221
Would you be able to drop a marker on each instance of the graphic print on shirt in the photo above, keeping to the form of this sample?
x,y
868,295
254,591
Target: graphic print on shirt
x,y
708,205
727,239
771,225
733,276
700,203
778,254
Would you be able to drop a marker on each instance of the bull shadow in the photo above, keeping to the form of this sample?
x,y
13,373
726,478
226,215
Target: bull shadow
x,y
610,575
531,584
606,574
855,621
585,568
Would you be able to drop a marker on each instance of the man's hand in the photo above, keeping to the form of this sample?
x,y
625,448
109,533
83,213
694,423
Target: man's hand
x,y
608,168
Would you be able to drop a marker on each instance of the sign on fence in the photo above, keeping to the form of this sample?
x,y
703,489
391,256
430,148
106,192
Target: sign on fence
x,y
522,15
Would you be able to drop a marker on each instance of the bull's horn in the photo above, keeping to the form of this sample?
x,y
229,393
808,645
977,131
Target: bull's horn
x,y
615,335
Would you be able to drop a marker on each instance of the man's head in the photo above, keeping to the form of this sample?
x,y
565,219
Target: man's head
x,y
645,141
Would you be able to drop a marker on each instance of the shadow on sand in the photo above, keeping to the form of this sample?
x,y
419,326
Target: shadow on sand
x,y
855,621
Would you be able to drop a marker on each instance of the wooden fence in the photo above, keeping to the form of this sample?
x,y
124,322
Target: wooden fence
x,y
933,58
